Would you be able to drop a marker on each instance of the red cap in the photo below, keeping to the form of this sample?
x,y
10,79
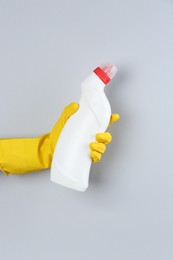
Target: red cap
x,y
105,72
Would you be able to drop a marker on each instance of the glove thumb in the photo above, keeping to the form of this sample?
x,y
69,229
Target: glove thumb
x,y
57,129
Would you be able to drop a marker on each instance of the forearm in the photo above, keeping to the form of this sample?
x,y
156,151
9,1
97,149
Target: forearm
x,y
23,155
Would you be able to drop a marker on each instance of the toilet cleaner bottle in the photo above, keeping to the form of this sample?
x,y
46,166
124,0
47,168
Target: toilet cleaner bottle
x,y
71,160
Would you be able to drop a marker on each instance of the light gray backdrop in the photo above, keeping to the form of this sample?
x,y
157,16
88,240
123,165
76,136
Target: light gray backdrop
x,y
46,49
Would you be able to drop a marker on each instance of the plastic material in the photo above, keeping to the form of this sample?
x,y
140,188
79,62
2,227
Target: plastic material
x,y
71,161
109,69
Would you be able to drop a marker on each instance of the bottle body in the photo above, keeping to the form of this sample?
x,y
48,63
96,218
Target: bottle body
x,y
71,161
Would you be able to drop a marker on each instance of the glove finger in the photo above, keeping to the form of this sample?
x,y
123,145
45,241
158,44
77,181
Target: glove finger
x,y
105,138
114,118
99,147
95,156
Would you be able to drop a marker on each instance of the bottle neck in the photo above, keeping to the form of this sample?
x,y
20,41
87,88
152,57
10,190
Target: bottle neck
x,y
93,82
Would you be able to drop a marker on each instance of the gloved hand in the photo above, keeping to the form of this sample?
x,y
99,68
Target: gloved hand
x,y
99,147
23,155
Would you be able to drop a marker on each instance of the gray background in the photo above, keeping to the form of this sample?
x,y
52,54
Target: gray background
x,y
46,49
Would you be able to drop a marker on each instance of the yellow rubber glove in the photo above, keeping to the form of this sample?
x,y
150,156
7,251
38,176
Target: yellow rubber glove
x,y
99,147
23,155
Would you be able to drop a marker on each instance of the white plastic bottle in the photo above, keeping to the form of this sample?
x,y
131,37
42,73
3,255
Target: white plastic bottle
x,y
71,161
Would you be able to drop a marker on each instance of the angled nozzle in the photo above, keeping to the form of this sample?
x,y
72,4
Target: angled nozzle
x,y
106,72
